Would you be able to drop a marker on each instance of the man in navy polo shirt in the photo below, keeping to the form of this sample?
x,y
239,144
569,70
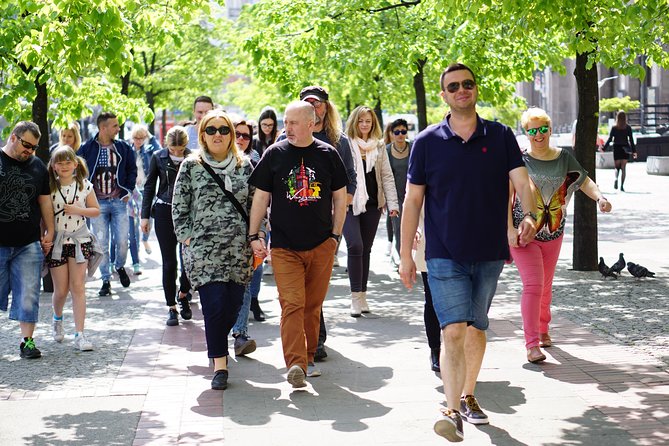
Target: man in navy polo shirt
x,y
461,168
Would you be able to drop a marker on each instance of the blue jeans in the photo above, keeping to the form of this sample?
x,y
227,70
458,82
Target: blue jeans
x,y
20,273
113,219
463,291
252,290
133,239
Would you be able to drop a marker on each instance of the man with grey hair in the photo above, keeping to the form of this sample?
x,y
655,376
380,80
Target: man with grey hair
x,y
26,230
305,181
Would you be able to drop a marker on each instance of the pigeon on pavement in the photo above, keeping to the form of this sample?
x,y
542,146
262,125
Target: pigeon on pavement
x,y
619,265
605,270
639,271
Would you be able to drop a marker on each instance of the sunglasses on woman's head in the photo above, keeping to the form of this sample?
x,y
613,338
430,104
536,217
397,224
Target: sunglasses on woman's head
x,y
543,130
397,132
211,130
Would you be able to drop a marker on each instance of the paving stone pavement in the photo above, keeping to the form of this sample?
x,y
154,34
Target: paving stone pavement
x,y
605,381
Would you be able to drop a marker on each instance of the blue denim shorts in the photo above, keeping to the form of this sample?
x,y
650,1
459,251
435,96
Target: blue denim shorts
x,y
20,274
463,291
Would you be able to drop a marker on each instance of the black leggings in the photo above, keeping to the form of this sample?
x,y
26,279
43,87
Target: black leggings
x,y
432,329
168,251
359,232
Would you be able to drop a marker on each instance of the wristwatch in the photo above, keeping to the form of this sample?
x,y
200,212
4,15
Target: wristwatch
x,y
252,237
531,215
337,237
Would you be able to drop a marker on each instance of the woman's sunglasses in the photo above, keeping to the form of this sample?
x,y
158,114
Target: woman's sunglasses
x,y
244,136
543,130
397,132
211,130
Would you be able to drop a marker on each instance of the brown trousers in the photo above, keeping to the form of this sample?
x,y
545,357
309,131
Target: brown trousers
x,y
302,278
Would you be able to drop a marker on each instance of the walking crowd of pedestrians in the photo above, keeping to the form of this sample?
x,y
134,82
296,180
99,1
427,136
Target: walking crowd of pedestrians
x,y
461,200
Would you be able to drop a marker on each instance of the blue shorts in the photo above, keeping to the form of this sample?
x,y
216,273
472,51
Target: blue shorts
x,y
20,274
463,291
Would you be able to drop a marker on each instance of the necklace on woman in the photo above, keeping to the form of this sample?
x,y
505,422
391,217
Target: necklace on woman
x,y
406,146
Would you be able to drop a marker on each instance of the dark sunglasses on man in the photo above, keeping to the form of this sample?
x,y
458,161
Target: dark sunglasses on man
x,y
211,130
27,145
467,84
399,132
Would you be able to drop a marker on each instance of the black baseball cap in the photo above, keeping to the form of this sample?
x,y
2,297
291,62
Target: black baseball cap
x,y
315,92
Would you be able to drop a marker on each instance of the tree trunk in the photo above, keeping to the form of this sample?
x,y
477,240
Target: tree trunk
x,y
164,127
125,90
151,102
585,211
419,88
378,112
40,109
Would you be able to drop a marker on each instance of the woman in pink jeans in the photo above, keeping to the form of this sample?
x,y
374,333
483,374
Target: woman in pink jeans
x,y
555,175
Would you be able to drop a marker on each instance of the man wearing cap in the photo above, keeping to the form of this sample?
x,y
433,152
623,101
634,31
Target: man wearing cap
x,y
328,129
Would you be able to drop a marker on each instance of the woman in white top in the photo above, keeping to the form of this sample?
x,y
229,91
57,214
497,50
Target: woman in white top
x,y
375,191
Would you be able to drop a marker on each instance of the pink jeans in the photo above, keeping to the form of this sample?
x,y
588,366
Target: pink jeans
x,y
536,264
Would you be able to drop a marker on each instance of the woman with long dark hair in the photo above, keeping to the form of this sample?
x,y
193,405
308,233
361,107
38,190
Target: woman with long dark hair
x,y
268,129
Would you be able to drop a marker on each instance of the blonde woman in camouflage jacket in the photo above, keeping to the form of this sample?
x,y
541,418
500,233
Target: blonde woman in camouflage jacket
x,y
217,254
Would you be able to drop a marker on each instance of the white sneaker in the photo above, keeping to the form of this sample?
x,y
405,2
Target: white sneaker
x,y
82,343
312,370
58,334
389,248
296,377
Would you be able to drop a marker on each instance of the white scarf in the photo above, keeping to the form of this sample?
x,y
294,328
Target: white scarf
x,y
225,167
371,152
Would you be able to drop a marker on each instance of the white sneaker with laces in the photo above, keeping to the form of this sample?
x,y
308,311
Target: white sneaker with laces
x,y
82,343
58,334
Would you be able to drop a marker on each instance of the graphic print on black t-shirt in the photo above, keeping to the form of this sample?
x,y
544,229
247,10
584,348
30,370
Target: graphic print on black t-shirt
x,y
16,192
301,185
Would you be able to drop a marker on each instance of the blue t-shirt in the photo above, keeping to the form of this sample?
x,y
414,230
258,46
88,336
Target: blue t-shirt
x,y
466,189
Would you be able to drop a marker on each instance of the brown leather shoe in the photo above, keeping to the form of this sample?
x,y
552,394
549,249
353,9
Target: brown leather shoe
x,y
534,355
545,340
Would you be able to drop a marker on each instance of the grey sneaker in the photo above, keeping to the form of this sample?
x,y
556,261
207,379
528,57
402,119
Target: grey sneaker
x,y
82,343
296,377
449,425
313,371
58,334
244,345
471,412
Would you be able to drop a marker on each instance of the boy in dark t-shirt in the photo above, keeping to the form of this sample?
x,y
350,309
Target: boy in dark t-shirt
x,y
306,182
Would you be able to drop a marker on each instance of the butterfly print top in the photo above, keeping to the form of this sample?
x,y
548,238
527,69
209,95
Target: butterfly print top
x,y
553,182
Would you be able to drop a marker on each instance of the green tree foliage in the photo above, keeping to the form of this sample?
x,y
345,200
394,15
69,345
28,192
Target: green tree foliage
x,y
64,52
387,52
615,104
184,56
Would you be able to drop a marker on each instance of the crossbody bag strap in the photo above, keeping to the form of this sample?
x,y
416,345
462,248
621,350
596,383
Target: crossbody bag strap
x,y
227,193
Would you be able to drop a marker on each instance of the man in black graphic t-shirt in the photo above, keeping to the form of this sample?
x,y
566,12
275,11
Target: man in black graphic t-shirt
x,y
24,202
306,182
